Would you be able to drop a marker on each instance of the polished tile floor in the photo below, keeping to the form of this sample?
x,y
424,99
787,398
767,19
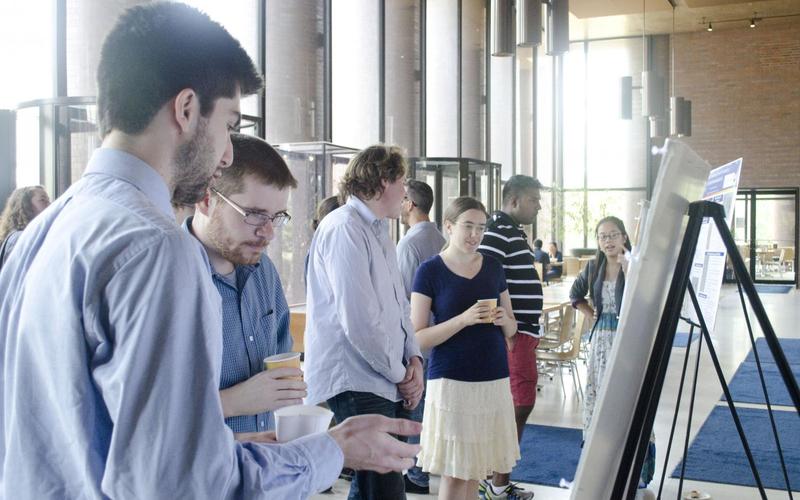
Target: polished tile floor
x,y
731,341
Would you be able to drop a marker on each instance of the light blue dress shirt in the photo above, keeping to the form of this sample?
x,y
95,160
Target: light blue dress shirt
x,y
111,350
358,334
421,242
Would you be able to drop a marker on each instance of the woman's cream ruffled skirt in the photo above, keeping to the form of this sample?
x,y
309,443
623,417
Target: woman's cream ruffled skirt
x,y
468,429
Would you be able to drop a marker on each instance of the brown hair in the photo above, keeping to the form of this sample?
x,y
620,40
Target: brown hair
x,y
369,168
19,211
325,207
253,156
461,205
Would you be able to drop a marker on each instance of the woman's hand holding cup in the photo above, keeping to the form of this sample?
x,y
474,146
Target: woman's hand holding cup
x,y
480,312
500,316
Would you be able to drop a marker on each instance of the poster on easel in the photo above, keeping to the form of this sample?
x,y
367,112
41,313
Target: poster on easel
x,y
708,266
682,175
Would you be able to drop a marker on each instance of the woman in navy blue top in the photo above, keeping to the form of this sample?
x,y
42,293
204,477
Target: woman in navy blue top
x,y
468,427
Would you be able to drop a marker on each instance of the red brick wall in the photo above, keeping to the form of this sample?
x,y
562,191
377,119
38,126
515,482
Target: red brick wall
x,y
744,85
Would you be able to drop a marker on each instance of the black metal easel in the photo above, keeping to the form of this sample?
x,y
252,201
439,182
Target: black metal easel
x,y
638,436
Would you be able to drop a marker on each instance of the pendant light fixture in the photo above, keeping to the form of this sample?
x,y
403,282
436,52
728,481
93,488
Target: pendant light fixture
x,y
680,112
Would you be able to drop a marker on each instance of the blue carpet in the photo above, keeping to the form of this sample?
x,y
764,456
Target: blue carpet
x,y
746,386
791,349
548,454
773,288
716,454
682,338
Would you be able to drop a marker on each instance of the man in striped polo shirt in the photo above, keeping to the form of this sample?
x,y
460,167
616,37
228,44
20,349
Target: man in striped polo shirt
x,y
505,241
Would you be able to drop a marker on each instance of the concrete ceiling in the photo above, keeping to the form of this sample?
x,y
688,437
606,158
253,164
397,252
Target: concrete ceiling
x,y
614,18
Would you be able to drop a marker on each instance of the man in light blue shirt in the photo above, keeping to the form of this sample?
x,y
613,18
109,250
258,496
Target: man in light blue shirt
x,y
422,241
109,323
235,222
361,352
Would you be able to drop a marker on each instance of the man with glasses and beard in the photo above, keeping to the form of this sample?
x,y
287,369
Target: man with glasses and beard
x,y
109,321
235,222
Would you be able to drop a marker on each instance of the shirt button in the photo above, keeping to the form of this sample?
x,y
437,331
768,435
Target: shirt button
x,y
251,338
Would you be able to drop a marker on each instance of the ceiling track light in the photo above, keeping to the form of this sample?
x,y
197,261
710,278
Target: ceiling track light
x,y
752,20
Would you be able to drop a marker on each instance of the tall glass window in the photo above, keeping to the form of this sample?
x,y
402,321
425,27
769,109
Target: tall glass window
x,y
294,76
402,75
242,23
356,120
544,117
525,76
442,78
502,115
27,58
28,74
473,79
597,141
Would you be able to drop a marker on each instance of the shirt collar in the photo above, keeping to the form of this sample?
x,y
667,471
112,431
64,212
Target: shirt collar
x,y
378,225
421,226
504,217
129,168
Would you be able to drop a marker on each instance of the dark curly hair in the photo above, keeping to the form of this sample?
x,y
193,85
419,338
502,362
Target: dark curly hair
x,y
19,211
369,168
156,50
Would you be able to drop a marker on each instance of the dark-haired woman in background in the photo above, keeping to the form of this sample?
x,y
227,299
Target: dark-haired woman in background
x,y
556,262
22,206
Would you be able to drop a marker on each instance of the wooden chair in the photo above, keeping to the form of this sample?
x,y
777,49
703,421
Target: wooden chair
x,y
787,259
567,358
553,340
572,266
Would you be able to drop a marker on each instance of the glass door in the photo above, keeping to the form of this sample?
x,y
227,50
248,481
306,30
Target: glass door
x,y
766,233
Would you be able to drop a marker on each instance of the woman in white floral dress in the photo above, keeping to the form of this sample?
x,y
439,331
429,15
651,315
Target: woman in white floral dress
x,y
603,280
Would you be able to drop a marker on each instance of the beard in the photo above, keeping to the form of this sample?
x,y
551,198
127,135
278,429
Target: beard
x,y
194,167
235,252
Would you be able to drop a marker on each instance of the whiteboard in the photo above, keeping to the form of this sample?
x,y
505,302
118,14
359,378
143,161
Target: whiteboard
x,y
681,178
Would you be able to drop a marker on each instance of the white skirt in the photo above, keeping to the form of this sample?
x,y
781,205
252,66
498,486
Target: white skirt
x,y
468,429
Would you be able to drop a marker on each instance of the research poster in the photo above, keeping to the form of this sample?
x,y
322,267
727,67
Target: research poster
x,y
708,266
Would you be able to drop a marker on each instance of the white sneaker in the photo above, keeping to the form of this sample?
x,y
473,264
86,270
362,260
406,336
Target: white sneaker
x,y
510,492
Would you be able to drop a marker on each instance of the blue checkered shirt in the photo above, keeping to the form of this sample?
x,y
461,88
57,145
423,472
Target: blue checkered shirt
x,y
255,324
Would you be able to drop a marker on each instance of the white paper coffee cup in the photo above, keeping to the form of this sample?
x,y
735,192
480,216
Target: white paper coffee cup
x,y
292,422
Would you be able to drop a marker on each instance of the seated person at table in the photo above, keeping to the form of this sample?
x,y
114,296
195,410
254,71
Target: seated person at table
x,y
235,222
556,262
540,255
